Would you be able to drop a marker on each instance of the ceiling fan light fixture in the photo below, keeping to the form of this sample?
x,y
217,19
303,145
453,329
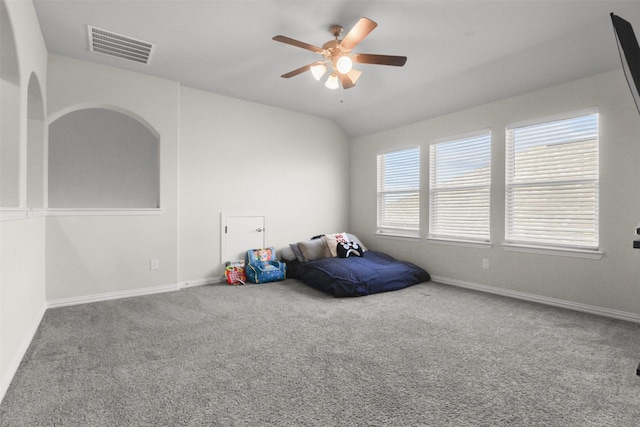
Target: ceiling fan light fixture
x,y
338,58
344,64
332,82
318,71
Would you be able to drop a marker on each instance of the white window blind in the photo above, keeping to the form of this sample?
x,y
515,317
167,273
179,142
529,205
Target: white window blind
x,y
460,188
552,183
399,192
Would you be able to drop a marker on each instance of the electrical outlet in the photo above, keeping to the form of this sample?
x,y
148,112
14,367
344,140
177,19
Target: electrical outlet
x,y
154,265
485,263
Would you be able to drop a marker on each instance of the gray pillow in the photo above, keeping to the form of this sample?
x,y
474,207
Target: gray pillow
x,y
314,249
287,254
296,250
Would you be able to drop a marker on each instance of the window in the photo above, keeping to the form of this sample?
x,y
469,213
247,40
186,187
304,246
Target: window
x,y
399,192
460,188
552,183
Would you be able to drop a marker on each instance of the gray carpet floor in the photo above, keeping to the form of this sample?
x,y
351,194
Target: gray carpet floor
x,y
284,354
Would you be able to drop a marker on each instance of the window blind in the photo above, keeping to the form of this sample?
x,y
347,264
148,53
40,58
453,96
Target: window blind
x,y
552,183
399,191
460,188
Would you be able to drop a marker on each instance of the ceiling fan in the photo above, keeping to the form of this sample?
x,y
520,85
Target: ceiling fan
x,y
338,58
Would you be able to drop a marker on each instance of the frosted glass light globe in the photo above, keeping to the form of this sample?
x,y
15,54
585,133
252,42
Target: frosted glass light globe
x,y
344,64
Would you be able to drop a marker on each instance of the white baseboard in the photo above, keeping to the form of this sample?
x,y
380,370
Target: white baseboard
x,y
585,308
63,302
5,381
200,282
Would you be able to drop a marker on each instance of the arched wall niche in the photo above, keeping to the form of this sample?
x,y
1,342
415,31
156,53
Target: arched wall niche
x,y
102,157
9,114
36,147
88,106
9,66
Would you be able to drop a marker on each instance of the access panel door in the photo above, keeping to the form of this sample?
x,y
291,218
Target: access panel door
x,y
241,232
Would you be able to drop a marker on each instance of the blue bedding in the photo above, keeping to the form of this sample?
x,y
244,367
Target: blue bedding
x,y
357,276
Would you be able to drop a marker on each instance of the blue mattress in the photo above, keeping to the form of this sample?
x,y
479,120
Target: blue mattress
x,y
372,273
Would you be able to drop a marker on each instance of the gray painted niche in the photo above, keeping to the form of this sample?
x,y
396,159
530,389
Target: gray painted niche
x,y
100,158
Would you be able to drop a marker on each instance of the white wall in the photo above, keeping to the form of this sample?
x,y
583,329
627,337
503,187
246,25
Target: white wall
x,y
95,255
241,157
22,248
217,154
612,282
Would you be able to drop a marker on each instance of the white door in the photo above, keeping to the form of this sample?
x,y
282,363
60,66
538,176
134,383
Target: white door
x,y
241,232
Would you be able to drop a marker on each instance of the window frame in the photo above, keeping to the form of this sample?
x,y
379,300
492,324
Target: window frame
x,y
518,241
443,233
391,228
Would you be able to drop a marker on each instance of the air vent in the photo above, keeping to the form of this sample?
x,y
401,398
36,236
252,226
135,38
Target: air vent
x,y
118,45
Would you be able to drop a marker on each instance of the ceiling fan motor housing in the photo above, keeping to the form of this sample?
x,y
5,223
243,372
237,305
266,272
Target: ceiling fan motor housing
x,y
336,30
334,52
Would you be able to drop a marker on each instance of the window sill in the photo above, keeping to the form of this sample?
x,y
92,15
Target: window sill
x,y
548,250
388,234
102,212
460,242
13,214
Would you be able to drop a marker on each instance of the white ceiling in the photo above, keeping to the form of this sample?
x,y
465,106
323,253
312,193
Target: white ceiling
x,y
460,53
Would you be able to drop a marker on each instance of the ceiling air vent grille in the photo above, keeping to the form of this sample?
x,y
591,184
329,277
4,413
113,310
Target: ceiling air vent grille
x,y
120,46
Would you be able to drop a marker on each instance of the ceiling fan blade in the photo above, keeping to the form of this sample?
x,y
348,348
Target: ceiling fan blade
x,y
300,70
287,40
359,31
349,80
369,58
346,82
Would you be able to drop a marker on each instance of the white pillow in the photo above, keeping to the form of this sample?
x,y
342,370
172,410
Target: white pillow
x,y
331,240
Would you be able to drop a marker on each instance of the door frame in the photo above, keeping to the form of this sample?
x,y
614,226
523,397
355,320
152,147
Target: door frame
x,y
223,234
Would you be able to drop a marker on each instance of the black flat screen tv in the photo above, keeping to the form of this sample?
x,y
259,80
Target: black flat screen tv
x,y
629,55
